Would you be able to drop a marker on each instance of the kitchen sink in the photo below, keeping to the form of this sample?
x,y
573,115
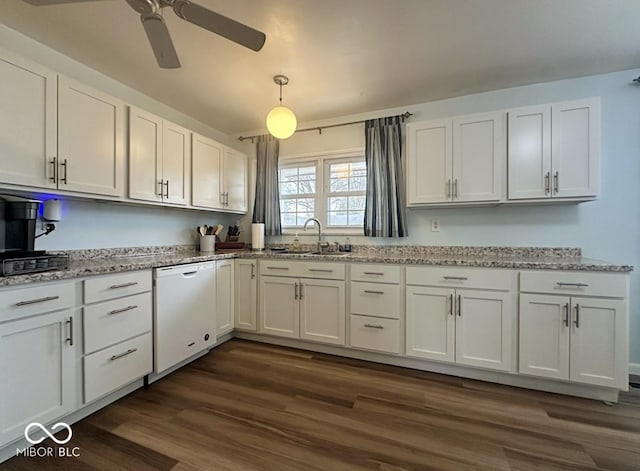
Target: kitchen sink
x,y
336,254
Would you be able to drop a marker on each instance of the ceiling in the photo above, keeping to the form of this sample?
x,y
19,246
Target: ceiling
x,y
342,56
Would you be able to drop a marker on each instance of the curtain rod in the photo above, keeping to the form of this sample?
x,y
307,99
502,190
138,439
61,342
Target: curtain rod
x,y
320,128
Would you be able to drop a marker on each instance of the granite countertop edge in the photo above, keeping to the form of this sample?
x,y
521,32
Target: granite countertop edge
x,y
93,267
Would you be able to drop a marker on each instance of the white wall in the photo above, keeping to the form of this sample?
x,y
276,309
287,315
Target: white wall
x,y
608,228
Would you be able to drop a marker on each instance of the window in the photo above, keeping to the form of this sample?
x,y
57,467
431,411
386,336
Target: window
x,y
329,188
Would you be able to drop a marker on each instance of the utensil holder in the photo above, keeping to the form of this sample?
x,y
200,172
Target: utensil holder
x,y
208,243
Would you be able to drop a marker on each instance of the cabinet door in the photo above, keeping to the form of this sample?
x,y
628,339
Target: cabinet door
x,y
176,158
599,344
575,148
206,177
145,156
544,336
478,157
90,140
37,371
483,329
322,311
429,162
27,122
235,180
279,306
529,152
430,323
224,296
246,290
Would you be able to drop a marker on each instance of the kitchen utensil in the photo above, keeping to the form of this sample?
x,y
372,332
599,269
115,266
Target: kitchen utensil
x,y
218,229
202,230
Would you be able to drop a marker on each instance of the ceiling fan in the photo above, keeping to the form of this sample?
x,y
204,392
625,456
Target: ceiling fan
x,y
158,34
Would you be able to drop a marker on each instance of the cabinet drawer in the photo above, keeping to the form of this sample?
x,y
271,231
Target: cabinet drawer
x,y
375,299
475,278
115,286
326,270
23,302
279,268
117,366
113,321
612,285
376,273
373,333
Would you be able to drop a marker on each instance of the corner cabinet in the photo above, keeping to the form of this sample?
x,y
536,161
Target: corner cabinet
x,y
554,151
456,160
159,159
219,176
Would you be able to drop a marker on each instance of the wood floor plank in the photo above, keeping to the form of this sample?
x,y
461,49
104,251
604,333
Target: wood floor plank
x,y
248,406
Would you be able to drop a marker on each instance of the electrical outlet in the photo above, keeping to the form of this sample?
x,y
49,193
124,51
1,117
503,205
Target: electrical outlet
x,y
435,225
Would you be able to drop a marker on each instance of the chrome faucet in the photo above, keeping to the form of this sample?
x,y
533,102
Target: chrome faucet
x,y
321,245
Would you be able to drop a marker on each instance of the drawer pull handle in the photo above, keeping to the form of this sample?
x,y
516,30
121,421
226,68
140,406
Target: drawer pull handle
x,y
124,309
374,326
277,268
124,354
577,321
36,301
70,338
379,273
459,278
123,285
323,270
577,285
459,305
369,291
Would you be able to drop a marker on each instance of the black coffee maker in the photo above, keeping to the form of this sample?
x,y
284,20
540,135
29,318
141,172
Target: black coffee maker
x,y
18,225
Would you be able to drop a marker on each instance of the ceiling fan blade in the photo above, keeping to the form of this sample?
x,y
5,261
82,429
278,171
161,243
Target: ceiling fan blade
x,y
219,24
40,3
160,41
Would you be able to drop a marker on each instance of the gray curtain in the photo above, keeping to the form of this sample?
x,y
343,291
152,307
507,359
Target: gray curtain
x,y
266,208
385,210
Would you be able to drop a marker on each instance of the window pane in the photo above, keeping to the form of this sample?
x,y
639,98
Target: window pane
x,y
288,219
356,218
288,174
288,206
302,217
337,218
338,204
358,184
356,203
288,188
307,184
358,169
305,205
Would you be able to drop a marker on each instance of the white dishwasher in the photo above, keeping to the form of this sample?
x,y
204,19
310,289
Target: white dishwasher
x,y
184,312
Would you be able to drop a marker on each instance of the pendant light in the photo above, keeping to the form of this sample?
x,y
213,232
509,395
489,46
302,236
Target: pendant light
x,y
281,122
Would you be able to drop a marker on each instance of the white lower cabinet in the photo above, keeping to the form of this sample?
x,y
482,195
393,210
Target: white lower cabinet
x,y
375,333
472,327
38,368
225,296
118,343
246,294
575,338
306,308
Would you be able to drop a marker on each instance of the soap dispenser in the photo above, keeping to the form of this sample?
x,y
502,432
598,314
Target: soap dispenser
x,y
296,244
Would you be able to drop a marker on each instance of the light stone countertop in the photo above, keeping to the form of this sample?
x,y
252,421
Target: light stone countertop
x,y
101,262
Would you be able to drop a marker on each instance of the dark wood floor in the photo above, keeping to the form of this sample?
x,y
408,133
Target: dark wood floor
x,y
249,406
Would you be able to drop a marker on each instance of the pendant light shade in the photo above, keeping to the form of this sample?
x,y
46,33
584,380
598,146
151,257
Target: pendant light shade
x,y
281,121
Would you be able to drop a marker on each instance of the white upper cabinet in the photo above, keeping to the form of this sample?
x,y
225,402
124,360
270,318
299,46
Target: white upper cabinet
x,y
28,138
234,170
159,159
206,172
554,151
456,160
90,140
219,178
